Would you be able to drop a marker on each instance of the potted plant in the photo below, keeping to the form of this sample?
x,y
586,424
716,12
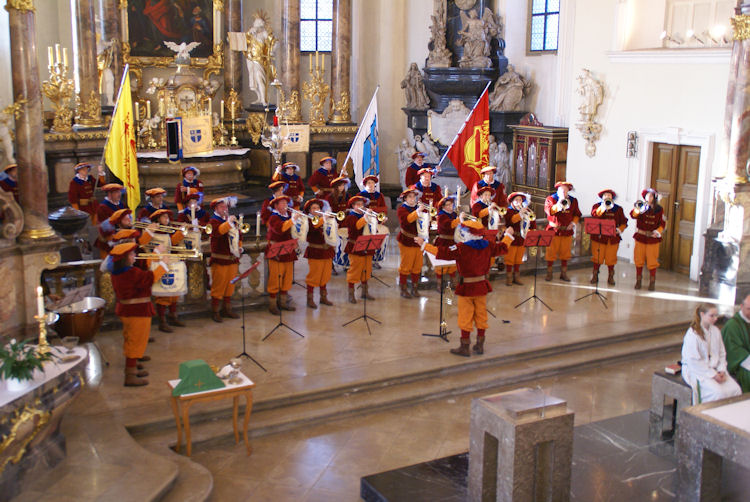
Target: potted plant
x,y
19,361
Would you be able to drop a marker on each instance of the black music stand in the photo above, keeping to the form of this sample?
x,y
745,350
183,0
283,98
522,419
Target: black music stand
x,y
602,228
274,250
365,243
443,331
242,294
537,239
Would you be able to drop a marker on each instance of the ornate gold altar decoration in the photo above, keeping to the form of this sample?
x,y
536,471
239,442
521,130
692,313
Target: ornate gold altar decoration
x,y
289,110
12,217
741,27
233,107
59,89
89,113
104,60
592,92
26,425
316,90
260,50
255,123
23,6
339,111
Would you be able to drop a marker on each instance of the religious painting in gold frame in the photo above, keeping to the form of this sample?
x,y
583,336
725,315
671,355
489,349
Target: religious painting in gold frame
x,y
146,24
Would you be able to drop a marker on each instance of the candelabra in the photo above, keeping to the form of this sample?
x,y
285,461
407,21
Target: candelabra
x,y
233,103
41,318
59,89
316,91
273,139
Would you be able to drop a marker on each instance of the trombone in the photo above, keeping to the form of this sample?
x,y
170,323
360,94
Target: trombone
x,y
501,210
431,209
206,229
172,228
314,219
470,217
380,216
339,216
187,255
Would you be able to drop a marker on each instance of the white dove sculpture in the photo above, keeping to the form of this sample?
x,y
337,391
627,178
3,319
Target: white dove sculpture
x,y
182,50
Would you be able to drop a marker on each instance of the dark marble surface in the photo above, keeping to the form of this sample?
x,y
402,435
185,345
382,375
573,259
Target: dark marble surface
x,y
613,460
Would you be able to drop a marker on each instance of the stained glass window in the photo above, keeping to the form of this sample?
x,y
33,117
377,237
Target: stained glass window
x,y
544,25
316,25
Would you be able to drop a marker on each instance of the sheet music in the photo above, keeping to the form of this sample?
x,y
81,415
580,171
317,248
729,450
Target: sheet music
x,y
439,263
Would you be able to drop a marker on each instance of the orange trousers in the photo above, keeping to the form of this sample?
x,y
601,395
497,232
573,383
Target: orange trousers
x,y
472,311
604,253
358,265
647,254
319,272
411,260
135,332
560,248
165,300
515,255
220,277
285,269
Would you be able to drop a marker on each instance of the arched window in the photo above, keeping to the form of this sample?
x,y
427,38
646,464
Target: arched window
x,y
544,23
316,25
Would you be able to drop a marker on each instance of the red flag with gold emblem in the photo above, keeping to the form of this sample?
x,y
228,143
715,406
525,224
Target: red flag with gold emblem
x,y
470,150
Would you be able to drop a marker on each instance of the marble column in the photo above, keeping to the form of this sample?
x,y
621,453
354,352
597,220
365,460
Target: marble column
x,y
289,63
738,96
340,61
232,59
89,108
29,140
110,31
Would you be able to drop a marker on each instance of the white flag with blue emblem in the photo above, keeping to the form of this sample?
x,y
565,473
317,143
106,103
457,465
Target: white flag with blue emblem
x,y
365,151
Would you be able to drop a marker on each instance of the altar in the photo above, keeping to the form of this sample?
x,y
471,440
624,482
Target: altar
x,y
222,166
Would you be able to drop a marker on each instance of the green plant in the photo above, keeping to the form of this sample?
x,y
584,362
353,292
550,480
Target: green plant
x,y
19,360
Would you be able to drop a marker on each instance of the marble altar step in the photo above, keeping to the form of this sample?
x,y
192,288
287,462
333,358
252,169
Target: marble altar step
x,y
313,407
194,482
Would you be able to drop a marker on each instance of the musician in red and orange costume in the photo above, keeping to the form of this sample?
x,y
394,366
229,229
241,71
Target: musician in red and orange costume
x,y
9,180
447,221
193,214
513,218
122,218
430,191
280,268
189,184
360,263
488,180
155,202
377,204
111,202
338,198
562,215
472,257
295,186
167,303
132,287
411,256
411,177
604,248
481,208
81,190
321,180
277,189
319,256
224,264
650,224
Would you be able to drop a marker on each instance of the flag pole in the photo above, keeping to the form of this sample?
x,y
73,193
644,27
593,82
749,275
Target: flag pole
x,y
125,75
462,126
359,131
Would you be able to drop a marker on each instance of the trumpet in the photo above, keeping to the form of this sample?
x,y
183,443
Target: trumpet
x,y
640,206
528,214
431,209
188,255
242,226
608,203
339,216
380,216
565,203
172,228
470,217
314,219
501,210
206,229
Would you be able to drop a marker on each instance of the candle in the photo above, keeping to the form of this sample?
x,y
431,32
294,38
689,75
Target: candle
x,y
317,60
458,193
137,114
323,63
231,110
39,302
310,65
276,121
65,56
148,109
50,56
57,52
221,110
257,224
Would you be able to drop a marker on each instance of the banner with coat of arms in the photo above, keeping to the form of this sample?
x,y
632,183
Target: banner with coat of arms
x,y
197,135
298,138
469,151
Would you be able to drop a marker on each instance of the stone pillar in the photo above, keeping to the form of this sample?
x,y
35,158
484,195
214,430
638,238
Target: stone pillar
x,y
340,61
29,143
289,63
89,106
111,31
232,59
739,94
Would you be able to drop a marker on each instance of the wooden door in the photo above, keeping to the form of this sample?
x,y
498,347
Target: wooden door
x,y
674,174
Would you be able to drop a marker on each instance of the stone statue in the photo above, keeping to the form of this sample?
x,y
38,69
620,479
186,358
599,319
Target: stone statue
x,y
6,138
431,150
404,152
592,92
509,90
504,175
183,51
440,55
259,56
416,94
106,75
444,126
476,36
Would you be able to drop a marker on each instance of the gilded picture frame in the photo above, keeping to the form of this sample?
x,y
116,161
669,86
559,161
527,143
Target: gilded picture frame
x,y
150,20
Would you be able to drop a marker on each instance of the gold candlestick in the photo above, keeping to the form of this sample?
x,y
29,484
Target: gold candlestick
x,y
233,103
316,91
59,89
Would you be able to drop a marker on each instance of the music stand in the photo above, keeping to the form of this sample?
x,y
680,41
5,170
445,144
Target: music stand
x,y
443,331
275,250
242,295
537,239
602,228
366,243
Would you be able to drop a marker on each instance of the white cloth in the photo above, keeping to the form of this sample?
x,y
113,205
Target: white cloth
x,y
701,361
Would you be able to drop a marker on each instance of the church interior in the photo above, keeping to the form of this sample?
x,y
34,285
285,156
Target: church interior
x,y
390,250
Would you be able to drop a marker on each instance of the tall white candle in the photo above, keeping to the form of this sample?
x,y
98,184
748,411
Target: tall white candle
x,y
148,109
221,110
65,57
50,56
137,109
57,53
39,301
257,224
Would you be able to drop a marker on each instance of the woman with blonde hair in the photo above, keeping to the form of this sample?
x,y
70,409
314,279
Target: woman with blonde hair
x,y
704,359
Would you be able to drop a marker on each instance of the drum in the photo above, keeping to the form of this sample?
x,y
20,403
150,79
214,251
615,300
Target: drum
x,y
331,231
172,283
341,258
82,319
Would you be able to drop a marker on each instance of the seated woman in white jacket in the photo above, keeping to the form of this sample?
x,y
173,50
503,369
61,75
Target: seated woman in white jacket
x,y
704,359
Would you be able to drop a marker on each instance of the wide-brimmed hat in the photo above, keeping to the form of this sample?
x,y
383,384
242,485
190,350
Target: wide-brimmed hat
x,y
155,215
370,177
647,190
155,191
341,179
607,190
191,168
564,183
357,198
306,207
485,189
112,187
488,169
474,226
333,161
408,191
445,199
417,154
81,165
119,251
118,215
518,194
278,199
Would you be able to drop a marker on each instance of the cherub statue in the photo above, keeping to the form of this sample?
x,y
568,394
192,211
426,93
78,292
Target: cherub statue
x,y
592,93
182,50
509,90
416,94
475,37
259,56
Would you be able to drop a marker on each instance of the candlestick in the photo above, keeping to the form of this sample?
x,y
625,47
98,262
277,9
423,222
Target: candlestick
x,y
50,56
148,109
39,301
257,224
65,56
57,53
445,190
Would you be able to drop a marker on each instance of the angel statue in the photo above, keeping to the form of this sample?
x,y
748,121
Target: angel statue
x,y
182,50
476,36
259,56
431,150
416,94
106,75
592,92
509,90
404,152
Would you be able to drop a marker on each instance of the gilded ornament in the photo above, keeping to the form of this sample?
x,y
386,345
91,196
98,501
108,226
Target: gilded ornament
x,y
52,259
289,110
339,113
255,123
741,27
196,275
326,129
13,217
26,426
59,89
90,112
259,57
75,136
316,90
20,5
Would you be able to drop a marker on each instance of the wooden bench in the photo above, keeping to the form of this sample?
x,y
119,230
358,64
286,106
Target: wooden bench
x,y
673,386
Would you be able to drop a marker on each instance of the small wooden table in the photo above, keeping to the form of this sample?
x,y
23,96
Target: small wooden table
x,y
181,407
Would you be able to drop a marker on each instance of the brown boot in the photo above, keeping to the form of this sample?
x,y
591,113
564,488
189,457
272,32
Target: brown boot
x,y
215,305
132,379
226,310
595,276
479,346
516,279
352,299
638,280
273,305
508,278
172,317
652,283
285,302
611,277
311,301
415,290
163,326
366,292
324,297
463,349
564,273
404,290
548,277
